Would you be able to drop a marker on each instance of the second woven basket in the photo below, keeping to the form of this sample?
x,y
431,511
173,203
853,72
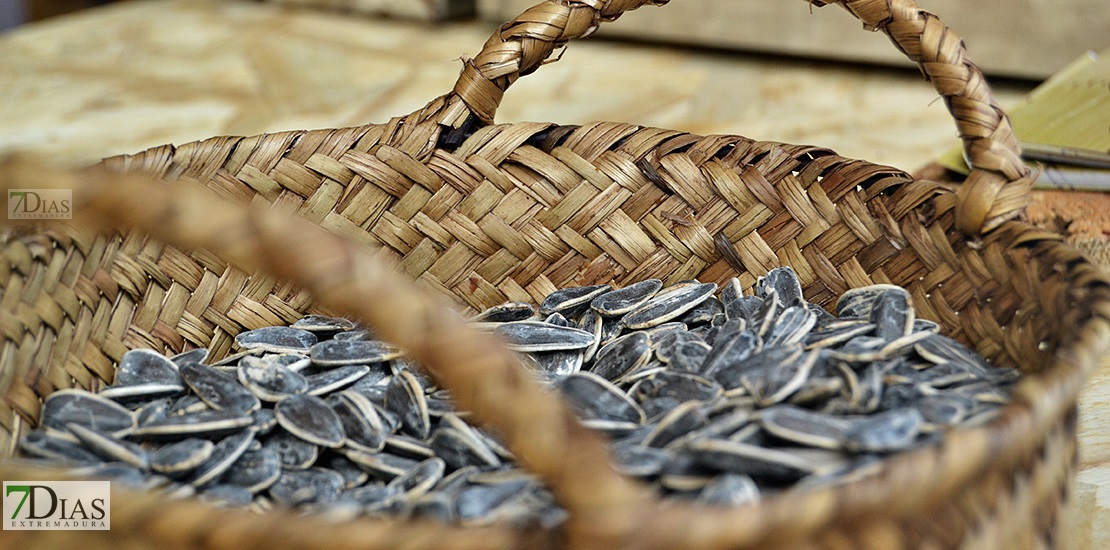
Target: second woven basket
x,y
482,213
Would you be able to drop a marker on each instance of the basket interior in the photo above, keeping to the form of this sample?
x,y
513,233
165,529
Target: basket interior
x,y
512,212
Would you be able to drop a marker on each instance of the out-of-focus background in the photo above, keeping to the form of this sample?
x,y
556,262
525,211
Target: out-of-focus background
x,y
85,79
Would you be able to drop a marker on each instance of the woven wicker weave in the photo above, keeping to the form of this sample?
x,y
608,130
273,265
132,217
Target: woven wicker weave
x,y
482,213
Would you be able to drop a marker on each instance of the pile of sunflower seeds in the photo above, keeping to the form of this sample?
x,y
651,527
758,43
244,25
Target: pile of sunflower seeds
x,y
717,397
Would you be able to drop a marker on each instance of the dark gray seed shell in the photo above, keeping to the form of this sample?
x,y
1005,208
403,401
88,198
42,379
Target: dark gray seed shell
x,y
858,302
323,383
270,381
679,421
505,313
187,404
730,490
362,424
219,390
276,340
373,496
568,298
181,457
196,355
311,419
405,398
804,426
110,448
231,496
255,470
141,393
945,410
792,327
667,305
145,366
893,315
152,411
323,323
689,356
682,386
294,452
622,356
353,474
703,313
774,382
727,356
537,336
336,353
459,449
311,486
224,454
264,421
784,283
623,300
591,322
639,461
385,465
209,423
744,308
482,501
731,290
420,479
554,364
50,445
740,458
89,410
597,399
889,431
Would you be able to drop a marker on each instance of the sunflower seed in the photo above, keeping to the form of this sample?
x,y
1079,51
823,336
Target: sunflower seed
x,y
311,419
597,399
224,454
144,366
276,340
336,353
568,298
622,356
739,458
219,390
95,412
730,490
182,457
293,452
48,445
506,313
270,381
361,422
892,430
623,300
323,383
110,448
667,305
311,486
781,283
717,399
321,323
805,427
536,336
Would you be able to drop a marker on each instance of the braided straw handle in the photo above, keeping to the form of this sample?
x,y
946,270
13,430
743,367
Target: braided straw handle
x,y
997,188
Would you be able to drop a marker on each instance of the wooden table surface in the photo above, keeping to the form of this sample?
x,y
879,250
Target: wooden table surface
x,y
133,75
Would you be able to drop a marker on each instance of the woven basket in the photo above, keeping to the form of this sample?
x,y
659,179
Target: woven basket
x,y
483,213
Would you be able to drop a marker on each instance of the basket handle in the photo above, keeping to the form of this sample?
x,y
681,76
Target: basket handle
x,y
347,277
997,189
